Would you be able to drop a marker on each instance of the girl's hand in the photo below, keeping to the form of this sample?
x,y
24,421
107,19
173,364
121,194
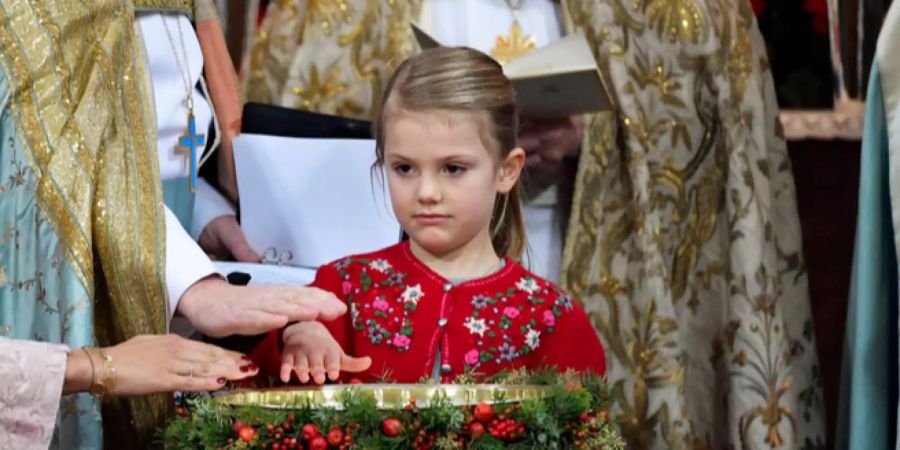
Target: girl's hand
x,y
166,363
311,351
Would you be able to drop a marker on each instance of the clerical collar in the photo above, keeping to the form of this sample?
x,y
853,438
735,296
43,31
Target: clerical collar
x,y
179,6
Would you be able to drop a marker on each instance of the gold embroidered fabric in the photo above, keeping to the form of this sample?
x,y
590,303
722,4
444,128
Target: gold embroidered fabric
x,y
330,56
180,6
82,115
684,242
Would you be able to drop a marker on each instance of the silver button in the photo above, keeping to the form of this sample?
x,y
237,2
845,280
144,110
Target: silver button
x,y
447,287
445,369
442,322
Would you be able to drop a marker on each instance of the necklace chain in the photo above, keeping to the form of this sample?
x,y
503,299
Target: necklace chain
x,y
184,71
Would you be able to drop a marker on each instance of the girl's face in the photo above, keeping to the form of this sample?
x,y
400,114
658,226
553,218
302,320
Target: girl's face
x,y
443,179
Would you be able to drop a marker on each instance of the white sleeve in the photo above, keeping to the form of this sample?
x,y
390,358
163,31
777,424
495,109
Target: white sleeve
x,y
32,384
186,263
208,205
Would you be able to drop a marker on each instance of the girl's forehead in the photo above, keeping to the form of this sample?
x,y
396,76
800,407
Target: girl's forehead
x,y
438,132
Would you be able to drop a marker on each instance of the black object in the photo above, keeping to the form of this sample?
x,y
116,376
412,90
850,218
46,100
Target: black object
x,y
259,118
238,278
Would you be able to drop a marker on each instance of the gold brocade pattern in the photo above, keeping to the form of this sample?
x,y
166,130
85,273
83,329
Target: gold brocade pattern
x,y
684,242
329,56
386,396
180,6
684,239
81,109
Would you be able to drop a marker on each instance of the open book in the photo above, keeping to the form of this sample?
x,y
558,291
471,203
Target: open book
x,y
559,79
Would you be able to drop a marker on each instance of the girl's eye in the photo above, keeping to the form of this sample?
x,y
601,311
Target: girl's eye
x,y
403,169
455,169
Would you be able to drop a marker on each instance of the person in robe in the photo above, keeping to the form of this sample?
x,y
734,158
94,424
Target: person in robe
x,y
868,402
94,98
683,240
452,298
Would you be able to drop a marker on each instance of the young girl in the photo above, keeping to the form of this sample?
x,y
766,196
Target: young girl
x,y
452,298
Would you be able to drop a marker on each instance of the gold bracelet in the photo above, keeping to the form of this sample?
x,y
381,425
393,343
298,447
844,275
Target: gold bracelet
x,y
109,378
93,368
102,385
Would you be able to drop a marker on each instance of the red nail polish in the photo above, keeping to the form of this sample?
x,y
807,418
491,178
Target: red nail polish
x,y
253,367
221,380
245,368
245,357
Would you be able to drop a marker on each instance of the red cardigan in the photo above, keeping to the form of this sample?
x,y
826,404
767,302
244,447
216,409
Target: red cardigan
x,y
402,313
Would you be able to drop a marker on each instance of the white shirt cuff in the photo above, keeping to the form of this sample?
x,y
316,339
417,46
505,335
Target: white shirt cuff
x,y
208,205
186,263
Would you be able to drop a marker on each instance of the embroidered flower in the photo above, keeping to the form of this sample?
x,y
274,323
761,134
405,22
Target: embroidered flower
x,y
475,326
346,287
508,352
342,264
533,338
375,335
471,357
480,301
401,341
395,279
528,285
510,312
413,294
564,301
380,304
381,265
549,318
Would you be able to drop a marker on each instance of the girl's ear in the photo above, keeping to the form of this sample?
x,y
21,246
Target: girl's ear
x,y
511,170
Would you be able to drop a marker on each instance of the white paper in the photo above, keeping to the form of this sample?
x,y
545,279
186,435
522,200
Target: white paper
x,y
312,201
267,274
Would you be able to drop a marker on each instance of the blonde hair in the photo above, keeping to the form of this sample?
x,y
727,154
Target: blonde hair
x,y
460,79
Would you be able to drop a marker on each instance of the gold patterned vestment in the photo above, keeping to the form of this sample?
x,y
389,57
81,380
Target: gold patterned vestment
x,y
683,243
82,246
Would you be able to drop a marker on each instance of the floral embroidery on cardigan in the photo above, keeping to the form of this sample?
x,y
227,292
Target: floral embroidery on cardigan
x,y
510,324
381,304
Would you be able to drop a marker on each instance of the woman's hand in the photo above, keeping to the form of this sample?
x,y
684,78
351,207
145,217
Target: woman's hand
x,y
311,351
156,364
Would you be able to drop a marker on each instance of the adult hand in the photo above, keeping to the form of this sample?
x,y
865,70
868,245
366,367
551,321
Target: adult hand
x,y
223,238
156,364
547,142
218,309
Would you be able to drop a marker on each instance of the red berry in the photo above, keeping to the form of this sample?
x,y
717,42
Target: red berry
x,y
247,433
318,443
585,417
335,437
276,446
181,412
483,412
237,426
604,414
309,432
391,427
476,429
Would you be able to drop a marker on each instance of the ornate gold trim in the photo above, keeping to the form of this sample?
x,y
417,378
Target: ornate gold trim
x,y
387,396
181,6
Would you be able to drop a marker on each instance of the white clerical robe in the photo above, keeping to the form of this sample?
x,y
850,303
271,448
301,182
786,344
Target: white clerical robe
x,y
186,263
